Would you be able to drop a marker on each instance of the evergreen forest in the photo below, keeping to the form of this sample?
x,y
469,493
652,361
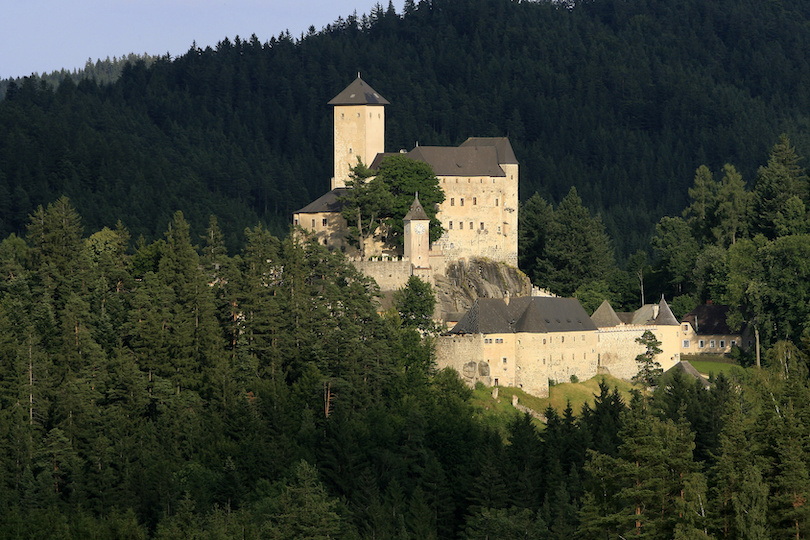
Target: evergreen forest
x,y
174,364
169,390
623,100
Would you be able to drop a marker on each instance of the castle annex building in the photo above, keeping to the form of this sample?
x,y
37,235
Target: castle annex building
x,y
525,342
479,179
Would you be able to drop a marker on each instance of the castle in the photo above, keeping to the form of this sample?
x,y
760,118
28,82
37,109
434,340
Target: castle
x,y
522,341
479,179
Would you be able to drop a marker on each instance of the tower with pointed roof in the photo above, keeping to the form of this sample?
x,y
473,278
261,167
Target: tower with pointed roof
x,y
416,236
359,128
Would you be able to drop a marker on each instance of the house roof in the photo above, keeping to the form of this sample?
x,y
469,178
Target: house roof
x,y
328,202
502,146
416,211
358,93
604,316
709,319
459,160
524,314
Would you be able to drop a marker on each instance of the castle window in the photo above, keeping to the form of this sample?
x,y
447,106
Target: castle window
x,y
460,224
496,202
475,201
722,344
711,344
562,339
686,344
351,151
358,115
296,221
482,225
496,382
452,201
686,328
504,360
471,225
701,343
733,342
544,341
451,225
341,116
323,222
313,223
461,201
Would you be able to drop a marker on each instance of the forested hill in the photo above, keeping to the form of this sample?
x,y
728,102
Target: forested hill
x,y
622,99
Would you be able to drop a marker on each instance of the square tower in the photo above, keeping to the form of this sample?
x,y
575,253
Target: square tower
x,y
359,128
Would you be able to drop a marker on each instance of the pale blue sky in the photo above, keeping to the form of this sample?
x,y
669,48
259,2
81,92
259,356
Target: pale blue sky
x,y
46,35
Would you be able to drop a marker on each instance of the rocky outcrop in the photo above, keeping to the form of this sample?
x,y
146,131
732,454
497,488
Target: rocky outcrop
x,y
465,281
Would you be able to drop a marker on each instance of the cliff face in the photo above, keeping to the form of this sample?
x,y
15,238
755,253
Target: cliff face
x,y
464,282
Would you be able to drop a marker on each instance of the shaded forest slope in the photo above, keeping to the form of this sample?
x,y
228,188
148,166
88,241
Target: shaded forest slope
x,y
621,99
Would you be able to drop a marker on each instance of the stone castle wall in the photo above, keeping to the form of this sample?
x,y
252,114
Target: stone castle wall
x,y
617,348
465,355
390,274
479,216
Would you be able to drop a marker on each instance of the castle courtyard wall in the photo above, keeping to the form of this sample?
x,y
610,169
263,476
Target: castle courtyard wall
x,y
617,348
465,354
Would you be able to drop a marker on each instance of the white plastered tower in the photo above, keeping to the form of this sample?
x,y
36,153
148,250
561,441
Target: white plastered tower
x,y
359,128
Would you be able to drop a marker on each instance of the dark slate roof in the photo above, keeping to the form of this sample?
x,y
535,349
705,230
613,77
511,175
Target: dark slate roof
x,y
375,163
487,316
604,316
416,211
459,161
525,314
502,146
329,202
709,319
358,93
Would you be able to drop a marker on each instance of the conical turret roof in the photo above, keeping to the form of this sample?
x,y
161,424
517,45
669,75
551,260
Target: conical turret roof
x,y
665,315
359,93
416,211
605,316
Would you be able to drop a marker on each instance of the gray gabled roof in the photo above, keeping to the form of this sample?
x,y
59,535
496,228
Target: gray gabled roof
x,y
605,316
328,202
502,146
358,93
643,315
525,314
459,161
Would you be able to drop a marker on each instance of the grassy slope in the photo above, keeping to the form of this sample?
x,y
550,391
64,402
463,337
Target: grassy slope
x,y
498,413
